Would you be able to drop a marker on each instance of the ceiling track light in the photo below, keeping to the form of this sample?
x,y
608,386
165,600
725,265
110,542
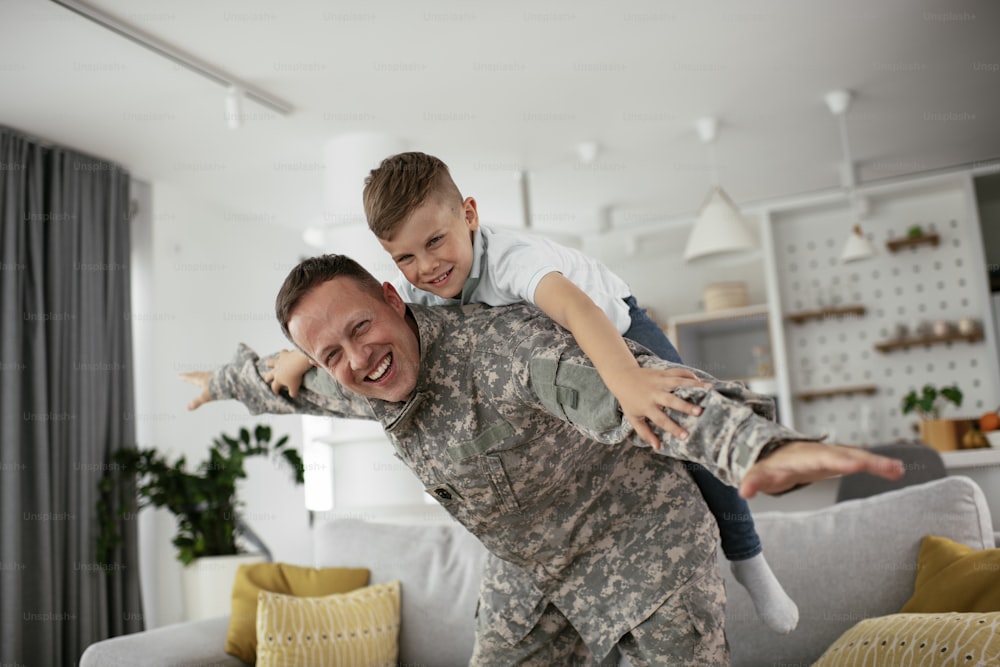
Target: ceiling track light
x,y
587,152
234,108
178,57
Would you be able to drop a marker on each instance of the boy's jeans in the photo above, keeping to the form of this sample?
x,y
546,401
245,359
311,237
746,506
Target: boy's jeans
x,y
736,528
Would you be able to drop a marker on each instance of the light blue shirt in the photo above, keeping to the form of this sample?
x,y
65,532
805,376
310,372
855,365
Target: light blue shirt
x,y
508,265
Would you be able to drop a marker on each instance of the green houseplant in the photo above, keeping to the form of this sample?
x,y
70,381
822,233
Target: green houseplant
x,y
204,500
941,434
929,402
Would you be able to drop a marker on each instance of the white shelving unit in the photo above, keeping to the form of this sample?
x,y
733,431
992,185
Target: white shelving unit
x,y
828,359
721,342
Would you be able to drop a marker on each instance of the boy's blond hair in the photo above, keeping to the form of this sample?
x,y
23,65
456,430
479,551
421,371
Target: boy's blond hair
x,y
401,184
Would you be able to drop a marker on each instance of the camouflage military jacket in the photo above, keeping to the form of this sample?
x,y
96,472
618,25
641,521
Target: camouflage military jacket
x,y
511,429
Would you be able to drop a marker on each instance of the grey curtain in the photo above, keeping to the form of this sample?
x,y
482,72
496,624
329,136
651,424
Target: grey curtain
x,y
66,399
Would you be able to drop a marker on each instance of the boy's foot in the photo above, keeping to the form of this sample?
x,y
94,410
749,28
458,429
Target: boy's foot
x,y
778,611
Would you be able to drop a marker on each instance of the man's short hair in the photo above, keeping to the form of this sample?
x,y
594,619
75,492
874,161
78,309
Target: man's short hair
x,y
400,185
313,272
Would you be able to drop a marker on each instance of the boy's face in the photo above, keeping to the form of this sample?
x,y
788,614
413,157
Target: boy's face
x,y
433,246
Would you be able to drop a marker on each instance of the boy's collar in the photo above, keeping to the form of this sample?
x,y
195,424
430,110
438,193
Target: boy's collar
x,y
478,250
477,268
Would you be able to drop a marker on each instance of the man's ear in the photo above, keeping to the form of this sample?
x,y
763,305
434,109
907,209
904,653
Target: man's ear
x,y
392,298
471,213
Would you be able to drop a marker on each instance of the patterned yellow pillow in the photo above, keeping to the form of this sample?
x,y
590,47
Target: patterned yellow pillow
x,y
918,640
241,640
360,628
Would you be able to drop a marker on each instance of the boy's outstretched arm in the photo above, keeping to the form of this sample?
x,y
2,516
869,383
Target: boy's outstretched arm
x,y
642,392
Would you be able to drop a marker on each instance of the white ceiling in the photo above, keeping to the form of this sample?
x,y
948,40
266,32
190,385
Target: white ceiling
x,y
495,87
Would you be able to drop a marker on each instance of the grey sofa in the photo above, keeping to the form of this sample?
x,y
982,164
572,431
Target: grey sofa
x,y
842,563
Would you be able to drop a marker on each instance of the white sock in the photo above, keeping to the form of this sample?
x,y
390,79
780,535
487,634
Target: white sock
x,y
778,611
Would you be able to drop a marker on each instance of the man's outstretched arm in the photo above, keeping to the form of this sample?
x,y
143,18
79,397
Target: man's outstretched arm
x,y
242,379
792,464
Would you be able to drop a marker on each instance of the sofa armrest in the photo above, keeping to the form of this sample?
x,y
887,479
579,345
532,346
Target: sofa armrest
x,y
191,644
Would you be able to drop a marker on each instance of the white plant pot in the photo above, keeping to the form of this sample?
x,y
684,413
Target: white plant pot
x,y
207,584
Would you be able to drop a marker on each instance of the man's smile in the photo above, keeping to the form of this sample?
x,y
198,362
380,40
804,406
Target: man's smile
x,y
380,370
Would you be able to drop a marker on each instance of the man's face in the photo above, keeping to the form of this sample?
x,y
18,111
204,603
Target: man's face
x,y
366,343
433,246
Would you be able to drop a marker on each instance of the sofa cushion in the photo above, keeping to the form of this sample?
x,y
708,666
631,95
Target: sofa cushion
x,y
439,568
848,562
359,628
918,640
241,640
953,577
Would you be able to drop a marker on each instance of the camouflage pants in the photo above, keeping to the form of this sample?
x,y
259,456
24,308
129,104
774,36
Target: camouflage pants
x,y
688,630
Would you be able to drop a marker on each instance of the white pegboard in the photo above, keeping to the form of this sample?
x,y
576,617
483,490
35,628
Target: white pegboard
x,y
923,283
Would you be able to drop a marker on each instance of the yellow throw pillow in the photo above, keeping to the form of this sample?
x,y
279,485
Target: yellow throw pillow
x,y
360,628
241,640
954,577
918,640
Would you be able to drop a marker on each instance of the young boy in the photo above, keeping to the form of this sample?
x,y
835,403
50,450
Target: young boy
x,y
446,257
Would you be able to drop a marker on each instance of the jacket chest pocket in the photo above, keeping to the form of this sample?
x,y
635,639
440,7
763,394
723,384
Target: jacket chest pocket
x,y
479,471
492,467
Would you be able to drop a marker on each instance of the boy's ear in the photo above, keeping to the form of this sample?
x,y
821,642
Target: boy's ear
x,y
471,213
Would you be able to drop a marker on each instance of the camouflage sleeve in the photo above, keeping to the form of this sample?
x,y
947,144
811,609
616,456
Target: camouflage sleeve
x,y
242,379
727,438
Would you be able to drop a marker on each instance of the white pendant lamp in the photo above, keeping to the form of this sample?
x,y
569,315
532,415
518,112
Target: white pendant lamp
x,y
719,228
857,247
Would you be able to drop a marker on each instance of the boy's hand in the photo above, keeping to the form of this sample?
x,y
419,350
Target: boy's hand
x,y
287,371
643,394
198,379
803,462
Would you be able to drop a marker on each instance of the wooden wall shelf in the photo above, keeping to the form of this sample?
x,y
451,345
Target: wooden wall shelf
x,y
906,343
808,396
824,313
895,245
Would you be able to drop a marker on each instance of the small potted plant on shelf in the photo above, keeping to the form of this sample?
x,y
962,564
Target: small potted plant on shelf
x,y
941,434
203,501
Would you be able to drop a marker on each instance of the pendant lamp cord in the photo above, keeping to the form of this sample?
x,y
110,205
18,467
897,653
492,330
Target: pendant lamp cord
x,y
714,153
847,177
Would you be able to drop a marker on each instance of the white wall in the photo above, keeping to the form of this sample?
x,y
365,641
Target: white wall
x,y
214,277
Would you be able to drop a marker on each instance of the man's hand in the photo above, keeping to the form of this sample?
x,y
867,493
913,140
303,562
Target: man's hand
x,y
287,371
644,393
804,462
198,379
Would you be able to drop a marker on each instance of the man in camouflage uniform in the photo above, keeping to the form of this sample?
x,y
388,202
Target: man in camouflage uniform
x,y
599,540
